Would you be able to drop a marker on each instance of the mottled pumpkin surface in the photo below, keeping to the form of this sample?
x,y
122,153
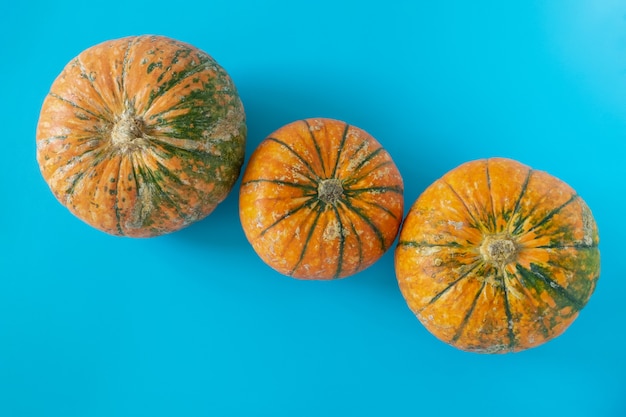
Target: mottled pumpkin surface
x,y
321,199
497,257
141,136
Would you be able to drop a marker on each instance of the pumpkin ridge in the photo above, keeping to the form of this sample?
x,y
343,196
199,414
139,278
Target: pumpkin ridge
x,y
468,314
305,187
342,242
518,203
342,143
173,150
75,105
188,104
424,244
359,212
368,158
393,189
574,246
315,178
532,278
545,331
317,146
123,80
116,204
542,274
355,180
380,206
156,191
355,152
205,62
309,203
472,266
355,233
86,173
493,219
476,224
307,240
103,102
507,311
552,213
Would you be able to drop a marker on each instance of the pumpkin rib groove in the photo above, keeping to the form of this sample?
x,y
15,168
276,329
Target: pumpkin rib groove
x,y
545,331
423,244
362,176
342,242
317,147
468,314
116,204
381,207
86,173
507,311
309,203
476,223
493,218
549,285
315,178
168,173
76,106
103,102
355,180
552,213
204,62
355,152
353,191
340,148
368,158
148,177
518,203
379,234
580,246
305,187
77,160
562,265
556,287
356,234
125,70
190,105
472,266
184,153
305,246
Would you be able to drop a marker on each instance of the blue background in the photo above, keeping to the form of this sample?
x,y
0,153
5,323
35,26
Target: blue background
x,y
194,324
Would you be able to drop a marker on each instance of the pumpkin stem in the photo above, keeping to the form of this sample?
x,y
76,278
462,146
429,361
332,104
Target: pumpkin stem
x,y
498,250
330,190
126,131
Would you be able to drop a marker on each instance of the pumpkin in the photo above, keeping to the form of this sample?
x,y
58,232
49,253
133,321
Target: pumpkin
x,y
497,257
320,199
141,136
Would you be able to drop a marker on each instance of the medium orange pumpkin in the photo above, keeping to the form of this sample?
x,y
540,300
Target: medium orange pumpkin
x,y
497,257
321,199
141,136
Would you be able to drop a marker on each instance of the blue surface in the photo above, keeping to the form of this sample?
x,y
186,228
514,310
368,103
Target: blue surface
x,y
194,324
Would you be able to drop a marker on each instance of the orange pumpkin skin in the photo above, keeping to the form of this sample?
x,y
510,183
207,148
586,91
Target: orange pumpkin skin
x,y
320,199
496,257
141,136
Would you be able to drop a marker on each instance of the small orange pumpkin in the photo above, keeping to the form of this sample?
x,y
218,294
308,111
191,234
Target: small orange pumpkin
x,y
321,199
141,136
497,257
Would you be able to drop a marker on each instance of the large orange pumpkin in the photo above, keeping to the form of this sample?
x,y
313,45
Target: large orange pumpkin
x,y
321,199
141,136
497,257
